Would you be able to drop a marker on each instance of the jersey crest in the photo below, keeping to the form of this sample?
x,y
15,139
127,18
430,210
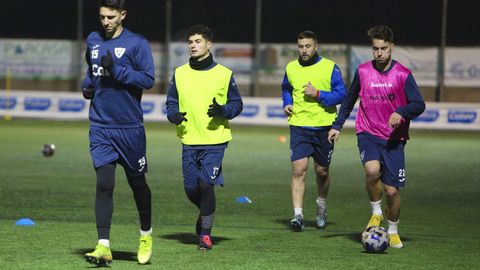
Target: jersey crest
x,y
119,52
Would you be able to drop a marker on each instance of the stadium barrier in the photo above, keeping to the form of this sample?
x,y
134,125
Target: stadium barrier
x,y
256,111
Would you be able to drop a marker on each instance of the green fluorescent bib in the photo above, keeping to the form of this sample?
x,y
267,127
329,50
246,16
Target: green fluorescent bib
x,y
307,112
196,89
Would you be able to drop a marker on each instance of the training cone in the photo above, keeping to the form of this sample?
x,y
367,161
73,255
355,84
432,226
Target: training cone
x,y
243,200
25,222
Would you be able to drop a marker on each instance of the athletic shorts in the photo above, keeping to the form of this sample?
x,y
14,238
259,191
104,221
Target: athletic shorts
x,y
202,164
310,143
126,146
390,154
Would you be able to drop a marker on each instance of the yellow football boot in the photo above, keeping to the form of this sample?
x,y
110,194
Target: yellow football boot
x,y
395,241
375,220
144,249
101,256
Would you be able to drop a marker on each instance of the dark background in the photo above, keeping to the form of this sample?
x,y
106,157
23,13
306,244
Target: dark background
x,y
415,22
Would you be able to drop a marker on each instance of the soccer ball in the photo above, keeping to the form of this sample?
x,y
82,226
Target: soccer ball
x,y
48,150
375,239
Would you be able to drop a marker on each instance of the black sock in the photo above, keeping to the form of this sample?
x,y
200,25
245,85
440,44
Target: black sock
x,y
207,206
143,200
104,199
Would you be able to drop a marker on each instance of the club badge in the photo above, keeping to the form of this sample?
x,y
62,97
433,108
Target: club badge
x,y
119,52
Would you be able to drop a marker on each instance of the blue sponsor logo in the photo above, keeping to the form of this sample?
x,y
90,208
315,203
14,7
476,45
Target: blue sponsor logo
x,y
71,105
37,104
275,111
428,116
250,110
148,107
7,103
461,116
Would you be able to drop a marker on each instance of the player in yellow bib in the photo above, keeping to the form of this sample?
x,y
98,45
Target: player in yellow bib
x,y
201,98
311,89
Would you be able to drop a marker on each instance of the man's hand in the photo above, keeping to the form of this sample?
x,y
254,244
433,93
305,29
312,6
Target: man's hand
x,y
88,91
179,117
333,135
395,120
309,90
288,110
215,109
107,62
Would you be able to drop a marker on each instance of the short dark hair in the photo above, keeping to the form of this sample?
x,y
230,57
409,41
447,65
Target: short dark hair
x,y
202,30
308,34
382,32
115,4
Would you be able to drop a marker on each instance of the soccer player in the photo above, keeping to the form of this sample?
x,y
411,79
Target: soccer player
x,y
120,66
202,97
311,88
389,99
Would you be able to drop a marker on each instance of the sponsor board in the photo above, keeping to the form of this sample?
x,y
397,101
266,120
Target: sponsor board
x,y
257,111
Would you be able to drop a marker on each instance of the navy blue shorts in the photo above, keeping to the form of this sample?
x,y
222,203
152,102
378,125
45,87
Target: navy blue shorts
x,y
202,164
127,146
310,143
390,154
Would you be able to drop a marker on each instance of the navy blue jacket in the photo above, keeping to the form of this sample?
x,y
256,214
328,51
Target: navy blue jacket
x,y
116,100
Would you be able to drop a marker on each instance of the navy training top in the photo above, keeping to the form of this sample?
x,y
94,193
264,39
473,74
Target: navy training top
x,y
116,101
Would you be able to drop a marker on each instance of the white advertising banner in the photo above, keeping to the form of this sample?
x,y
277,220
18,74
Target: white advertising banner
x,y
57,60
235,56
275,57
422,61
256,111
38,59
462,67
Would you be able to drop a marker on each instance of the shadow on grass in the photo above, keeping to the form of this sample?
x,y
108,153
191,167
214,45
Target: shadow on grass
x,y
191,238
357,237
352,236
117,255
308,223
374,253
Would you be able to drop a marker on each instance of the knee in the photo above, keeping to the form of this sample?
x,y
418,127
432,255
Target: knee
x,y
104,187
322,173
137,182
204,186
372,175
105,178
299,172
391,193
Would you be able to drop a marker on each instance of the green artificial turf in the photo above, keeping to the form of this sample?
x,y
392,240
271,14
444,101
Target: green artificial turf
x,y
439,221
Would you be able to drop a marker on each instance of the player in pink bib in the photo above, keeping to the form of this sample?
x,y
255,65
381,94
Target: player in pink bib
x,y
389,99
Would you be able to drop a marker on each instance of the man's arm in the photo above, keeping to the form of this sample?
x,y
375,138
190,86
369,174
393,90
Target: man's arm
x,y
173,110
143,76
88,87
415,103
348,103
338,92
287,95
172,99
234,105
